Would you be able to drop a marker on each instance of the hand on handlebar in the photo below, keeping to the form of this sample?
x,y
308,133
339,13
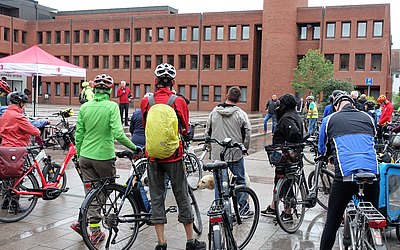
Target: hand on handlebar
x,y
138,149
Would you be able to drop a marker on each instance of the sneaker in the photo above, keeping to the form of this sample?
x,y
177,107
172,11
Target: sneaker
x,y
161,247
195,245
287,217
16,209
76,226
268,212
97,237
246,214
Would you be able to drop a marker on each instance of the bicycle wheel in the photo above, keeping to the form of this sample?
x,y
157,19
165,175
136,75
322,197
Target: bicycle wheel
x,y
346,231
215,236
50,173
249,213
197,223
289,203
309,153
16,207
325,181
193,170
114,209
141,165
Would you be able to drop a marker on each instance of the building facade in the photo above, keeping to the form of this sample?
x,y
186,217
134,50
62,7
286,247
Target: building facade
x,y
255,50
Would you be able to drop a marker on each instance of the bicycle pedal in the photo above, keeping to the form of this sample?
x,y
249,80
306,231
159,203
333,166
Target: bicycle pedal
x,y
172,209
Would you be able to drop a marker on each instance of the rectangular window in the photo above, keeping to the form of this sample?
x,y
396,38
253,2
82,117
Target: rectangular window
x,y
76,60
67,37
344,62
193,93
217,93
330,57
66,88
231,61
376,61
86,62
160,34
147,62
245,32
16,32
48,88
96,62
183,34
48,37
115,62
303,33
244,61
171,34
96,36
316,32
24,34
6,34
106,62
115,89
159,59
181,90
207,33
137,62
58,89
243,96
218,62
77,36
232,32
136,91
85,36
205,93
40,90
149,34
361,29
360,62
126,62
117,35
220,33
170,59
147,88
182,61
39,36
330,30
127,35
66,58
206,61
138,35
195,33
346,28
76,89
58,37
378,28
193,62
106,36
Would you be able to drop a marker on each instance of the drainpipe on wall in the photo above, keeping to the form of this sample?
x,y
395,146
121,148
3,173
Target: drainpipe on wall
x,y
12,36
321,35
70,57
198,63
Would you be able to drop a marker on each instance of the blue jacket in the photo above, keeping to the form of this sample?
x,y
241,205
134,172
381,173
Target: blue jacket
x,y
350,135
136,129
328,110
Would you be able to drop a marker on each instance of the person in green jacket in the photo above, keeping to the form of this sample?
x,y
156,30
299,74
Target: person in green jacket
x,y
97,127
87,93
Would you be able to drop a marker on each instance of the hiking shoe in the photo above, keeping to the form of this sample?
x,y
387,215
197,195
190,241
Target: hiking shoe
x,y
268,212
195,245
76,226
161,247
97,237
246,214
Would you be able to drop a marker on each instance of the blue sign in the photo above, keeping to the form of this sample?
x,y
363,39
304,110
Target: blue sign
x,y
368,81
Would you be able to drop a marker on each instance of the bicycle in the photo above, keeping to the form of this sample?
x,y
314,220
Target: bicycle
x,y
363,224
292,194
227,229
123,208
50,134
312,147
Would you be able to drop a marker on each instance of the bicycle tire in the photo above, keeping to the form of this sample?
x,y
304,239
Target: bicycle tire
x,y
25,202
290,194
50,173
109,205
346,231
197,222
371,239
325,182
244,232
215,238
398,232
306,156
193,170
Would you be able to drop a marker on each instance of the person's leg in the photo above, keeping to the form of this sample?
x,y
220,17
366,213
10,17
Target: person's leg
x,y
121,110
273,123
265,122
126,114
311,126
237,168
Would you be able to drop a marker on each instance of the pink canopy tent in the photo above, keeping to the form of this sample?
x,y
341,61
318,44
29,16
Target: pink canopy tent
x,y
37,62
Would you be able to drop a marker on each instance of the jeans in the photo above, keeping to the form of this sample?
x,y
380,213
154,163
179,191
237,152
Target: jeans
x,y
312,122
266,118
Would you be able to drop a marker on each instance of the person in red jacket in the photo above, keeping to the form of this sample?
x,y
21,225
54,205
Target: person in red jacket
x,y
386,116
173,166
124,94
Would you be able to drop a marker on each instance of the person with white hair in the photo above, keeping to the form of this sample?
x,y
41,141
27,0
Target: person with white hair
x,y
124,94
354,95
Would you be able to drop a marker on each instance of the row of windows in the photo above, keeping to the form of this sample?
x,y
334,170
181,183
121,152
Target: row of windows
x,y
345,30
359,61
220,61
16,35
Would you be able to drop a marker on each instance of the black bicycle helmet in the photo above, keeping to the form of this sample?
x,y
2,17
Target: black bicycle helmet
x,y
103,81
370,104
17,97
339,96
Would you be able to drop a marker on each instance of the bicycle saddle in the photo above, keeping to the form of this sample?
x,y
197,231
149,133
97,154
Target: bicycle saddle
x,y
365,177
215,166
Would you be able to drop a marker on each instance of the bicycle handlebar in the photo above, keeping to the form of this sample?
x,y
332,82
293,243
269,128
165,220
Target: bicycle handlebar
x,y
201,139
227,143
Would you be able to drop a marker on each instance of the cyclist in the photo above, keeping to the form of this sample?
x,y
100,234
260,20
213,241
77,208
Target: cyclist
x,y
312,114
229,121
136,127
369,107
172,166
124,95
386,116
97,127
86,94
350,134
328,108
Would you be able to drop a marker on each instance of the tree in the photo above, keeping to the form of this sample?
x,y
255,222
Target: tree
x,y
312,73
332,85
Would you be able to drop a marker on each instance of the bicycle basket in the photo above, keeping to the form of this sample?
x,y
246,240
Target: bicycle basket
x,y
284,155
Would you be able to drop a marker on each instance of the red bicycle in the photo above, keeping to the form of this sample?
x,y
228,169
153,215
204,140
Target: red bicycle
x,y
18,196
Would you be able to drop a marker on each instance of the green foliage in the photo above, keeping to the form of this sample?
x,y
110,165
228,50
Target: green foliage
x,y
312,73
332,85
396,101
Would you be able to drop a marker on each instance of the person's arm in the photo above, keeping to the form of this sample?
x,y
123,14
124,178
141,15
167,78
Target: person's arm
x,y
246,130
143,106
311,109
266,106
119,92
117,130
322,137
208,131
79,132
132,125
182,111
385,117
26,126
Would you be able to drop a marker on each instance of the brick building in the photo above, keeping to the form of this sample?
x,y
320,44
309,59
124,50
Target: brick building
x,y
255,50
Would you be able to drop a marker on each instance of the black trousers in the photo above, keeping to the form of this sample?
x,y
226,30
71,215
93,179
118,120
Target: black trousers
x,y
123,108
340,196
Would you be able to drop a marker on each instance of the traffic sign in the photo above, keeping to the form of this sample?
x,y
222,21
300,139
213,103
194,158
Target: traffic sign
x,y
368,81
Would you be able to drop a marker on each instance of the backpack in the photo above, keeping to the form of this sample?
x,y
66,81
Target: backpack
x,y
162,137
82,97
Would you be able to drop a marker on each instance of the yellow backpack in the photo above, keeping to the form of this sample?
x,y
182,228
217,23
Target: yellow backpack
x,y
162,137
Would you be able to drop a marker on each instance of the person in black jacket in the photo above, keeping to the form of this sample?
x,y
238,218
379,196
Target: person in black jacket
x,y
289,129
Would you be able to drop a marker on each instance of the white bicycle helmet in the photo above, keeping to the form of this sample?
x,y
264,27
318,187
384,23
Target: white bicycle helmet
x,y
310,97
165,70
103,81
